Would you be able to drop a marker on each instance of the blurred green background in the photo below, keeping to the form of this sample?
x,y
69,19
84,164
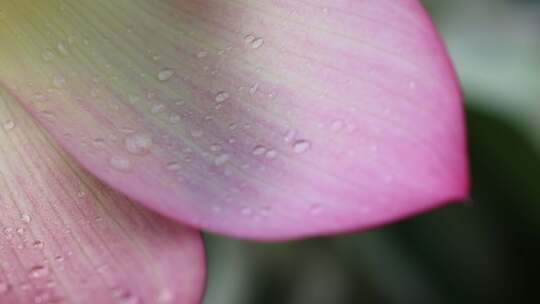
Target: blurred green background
x,y
487,251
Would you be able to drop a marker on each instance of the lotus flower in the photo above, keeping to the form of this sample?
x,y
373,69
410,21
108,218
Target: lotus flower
x,y
262,120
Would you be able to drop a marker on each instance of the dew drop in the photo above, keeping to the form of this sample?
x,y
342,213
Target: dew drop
x,y
62,48
174,118
38,97
158,108
289,137
248,39
99,143
301,146
8,125
257,43
173,166
253,42
26,218
254,88
133,98
47,56
138,144
165,74
120,163
222,159
337,125
222,96
259,150
38,244
202,54
38,272
271,154
59,81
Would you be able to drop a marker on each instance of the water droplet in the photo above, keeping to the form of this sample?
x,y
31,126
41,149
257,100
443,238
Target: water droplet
x,y
8,125
47,56
62,48
222,96
301,146
133,98
59,81
138,144
26,218
180,102
271,154
38,244
202,54
174,118
173,166
158,108
38,97
38,272
222,159
165,74
289,137
99,143
120,163
257,43
248,39
254,88
259,150
253,42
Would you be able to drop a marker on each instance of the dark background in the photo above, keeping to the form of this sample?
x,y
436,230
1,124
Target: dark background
x,y
486,251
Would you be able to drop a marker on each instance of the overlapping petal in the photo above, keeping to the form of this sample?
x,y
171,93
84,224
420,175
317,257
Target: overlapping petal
x,y
257,119
67,238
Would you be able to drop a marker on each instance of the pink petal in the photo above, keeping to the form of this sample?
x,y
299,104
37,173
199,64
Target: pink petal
x,y
257,119
67,238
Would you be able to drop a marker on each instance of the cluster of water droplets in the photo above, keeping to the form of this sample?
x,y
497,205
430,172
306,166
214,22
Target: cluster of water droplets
x,y
226,154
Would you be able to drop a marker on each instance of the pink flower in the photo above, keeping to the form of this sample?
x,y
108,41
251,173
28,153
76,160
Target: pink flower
x,y
264,120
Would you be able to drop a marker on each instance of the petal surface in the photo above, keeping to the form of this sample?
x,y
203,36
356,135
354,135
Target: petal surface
x,y
258,119
67,238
